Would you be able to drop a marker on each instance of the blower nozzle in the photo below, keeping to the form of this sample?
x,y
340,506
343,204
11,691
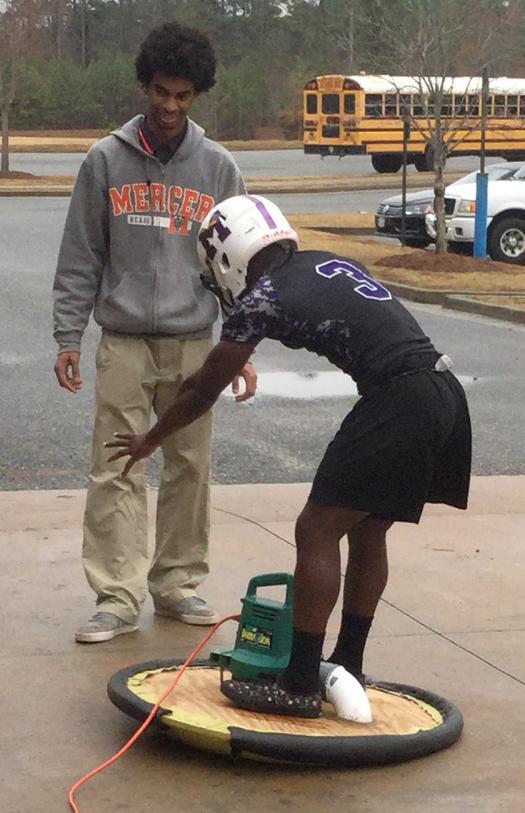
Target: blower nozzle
x,y
345,693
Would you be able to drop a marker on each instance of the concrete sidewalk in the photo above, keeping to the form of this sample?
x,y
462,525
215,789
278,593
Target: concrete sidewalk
x,y
452,621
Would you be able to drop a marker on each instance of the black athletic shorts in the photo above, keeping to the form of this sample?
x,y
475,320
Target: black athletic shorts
x,y
405,443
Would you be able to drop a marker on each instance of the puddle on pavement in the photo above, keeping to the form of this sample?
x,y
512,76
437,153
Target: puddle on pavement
x,y
331,384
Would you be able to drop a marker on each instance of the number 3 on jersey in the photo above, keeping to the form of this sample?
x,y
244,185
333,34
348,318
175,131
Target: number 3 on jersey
x,y
368,287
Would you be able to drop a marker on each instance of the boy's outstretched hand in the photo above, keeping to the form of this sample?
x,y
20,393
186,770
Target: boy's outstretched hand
x,y
135,446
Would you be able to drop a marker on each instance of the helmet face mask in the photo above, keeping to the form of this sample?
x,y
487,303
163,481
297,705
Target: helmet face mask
x,y
231,235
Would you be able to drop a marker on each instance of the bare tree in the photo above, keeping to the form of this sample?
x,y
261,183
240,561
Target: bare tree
x,y
56,20
445,112
341,24
7,95
343,35
22,34
10,39
427,40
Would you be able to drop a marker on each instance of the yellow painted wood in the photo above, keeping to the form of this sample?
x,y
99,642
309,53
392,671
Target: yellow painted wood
x,y
201,716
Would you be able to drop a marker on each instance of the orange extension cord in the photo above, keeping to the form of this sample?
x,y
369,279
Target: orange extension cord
x,y
149,718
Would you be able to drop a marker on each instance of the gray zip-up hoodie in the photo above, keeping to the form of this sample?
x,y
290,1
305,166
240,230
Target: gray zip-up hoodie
x,y
129,245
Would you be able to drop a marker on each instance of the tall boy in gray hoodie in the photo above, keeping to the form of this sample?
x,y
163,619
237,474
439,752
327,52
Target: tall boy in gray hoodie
x,y
128,254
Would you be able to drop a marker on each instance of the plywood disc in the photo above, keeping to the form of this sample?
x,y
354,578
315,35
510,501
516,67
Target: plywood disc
x,y
407,722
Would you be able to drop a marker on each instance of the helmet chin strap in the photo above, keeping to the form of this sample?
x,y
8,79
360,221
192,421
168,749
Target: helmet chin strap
x,y
226,301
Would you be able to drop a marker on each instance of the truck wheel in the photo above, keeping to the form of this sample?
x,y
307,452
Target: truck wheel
x,y
387,163
506,240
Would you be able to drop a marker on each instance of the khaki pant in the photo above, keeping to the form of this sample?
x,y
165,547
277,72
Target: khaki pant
x,y
134,377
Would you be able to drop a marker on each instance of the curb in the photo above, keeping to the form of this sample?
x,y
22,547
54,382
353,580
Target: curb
x,y
254,188
467,305
356,231
263,186
43,192
428,296
460,300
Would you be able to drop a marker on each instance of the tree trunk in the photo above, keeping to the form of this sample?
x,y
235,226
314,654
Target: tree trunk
x,y
440,155
349,42
58,24
83,35
4,166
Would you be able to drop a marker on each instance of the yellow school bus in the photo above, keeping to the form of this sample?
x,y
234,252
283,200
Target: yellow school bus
x,y
362,115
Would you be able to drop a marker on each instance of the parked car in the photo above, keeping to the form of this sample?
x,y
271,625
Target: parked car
x,y
505,217
420,203
389,215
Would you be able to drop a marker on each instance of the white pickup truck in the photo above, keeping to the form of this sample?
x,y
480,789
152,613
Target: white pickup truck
x,y
505,217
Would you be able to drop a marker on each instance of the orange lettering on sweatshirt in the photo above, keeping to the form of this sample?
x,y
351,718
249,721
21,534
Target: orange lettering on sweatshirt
x,y
158,197
121,200
140,190
191,196
183,204
206,203
174,192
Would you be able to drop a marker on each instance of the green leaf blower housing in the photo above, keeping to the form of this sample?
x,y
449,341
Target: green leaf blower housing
x,y
264,636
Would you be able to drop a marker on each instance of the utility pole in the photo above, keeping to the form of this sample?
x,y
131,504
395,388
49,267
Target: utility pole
x,y
482,179
406,136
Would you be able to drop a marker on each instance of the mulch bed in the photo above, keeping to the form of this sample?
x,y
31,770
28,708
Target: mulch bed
x,y
420,260
16,175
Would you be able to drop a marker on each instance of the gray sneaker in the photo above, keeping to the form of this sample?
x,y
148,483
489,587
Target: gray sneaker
x,y
191,610
103,627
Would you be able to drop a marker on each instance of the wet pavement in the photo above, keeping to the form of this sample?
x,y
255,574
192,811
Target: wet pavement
x,y
276,437
251,163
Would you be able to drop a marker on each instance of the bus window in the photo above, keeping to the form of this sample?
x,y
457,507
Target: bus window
x,y
446,105
442,104
512,105
349,103
419,107
499,105
473,105
330,103
311,103
459,105
373,105
466,105
390,104
405,104
522,105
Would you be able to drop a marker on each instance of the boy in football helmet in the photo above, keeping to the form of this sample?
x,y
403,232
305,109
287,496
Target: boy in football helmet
x,y
407,440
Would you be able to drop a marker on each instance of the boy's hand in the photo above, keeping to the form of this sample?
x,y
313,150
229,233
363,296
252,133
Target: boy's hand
x,y
249,374
67,370
136,446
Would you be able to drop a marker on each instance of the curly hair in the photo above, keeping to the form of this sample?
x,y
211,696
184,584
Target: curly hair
x,y
177,50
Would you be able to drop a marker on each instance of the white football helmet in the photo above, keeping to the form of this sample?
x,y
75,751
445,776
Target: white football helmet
x,y
231,234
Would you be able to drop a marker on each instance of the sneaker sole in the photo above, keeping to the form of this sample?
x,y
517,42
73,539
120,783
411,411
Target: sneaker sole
x,y
98,637
196,620
265,708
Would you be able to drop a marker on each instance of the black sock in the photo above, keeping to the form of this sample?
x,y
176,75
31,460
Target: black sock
x,y
351,642
302,674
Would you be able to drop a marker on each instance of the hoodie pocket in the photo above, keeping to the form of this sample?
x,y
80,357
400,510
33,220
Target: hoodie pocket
x,y
127,306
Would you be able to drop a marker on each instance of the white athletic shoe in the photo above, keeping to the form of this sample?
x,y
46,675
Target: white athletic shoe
x,y
103,627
